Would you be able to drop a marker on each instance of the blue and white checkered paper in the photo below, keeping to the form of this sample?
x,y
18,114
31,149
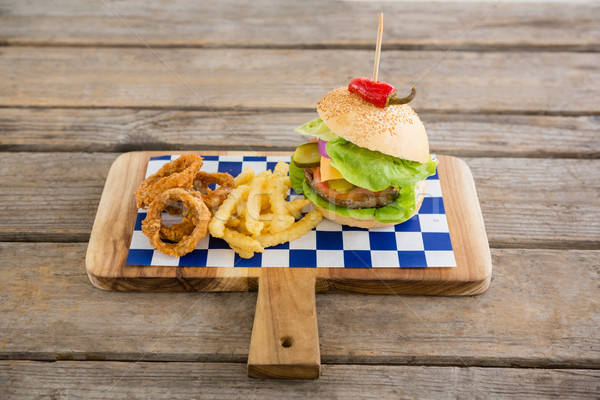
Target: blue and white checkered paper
x,y
422,241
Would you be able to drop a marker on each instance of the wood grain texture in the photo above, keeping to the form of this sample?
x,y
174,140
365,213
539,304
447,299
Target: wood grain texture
x,y
541,311
518,92
115,218
235,23
548,203
510,82
121,130
109,380
50,182
536,196
285,337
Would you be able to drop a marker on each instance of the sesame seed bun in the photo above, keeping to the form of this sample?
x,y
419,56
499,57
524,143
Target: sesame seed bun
x,y
395,130
372,222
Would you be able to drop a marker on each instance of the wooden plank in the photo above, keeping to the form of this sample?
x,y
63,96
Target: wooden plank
x,y
105,380
285,337
532,198
117,212
64,187
550,203
116,130
208,79
540,311
484,25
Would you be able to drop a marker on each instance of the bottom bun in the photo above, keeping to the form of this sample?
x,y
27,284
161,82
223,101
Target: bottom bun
x,y
372,222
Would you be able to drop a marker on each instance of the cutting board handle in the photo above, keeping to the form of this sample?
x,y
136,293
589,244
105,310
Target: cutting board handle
x,y
285,338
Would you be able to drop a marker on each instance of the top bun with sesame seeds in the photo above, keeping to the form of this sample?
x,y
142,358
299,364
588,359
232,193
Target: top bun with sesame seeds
x,y
395,130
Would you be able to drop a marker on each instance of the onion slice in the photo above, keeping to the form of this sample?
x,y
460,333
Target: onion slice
x,y
322,146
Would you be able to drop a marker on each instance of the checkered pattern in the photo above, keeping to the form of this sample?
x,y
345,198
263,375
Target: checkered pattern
x,y
422,241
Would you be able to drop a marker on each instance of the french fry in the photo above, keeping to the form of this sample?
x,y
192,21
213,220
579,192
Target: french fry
x,y
240,208
241,241
244,177
254,204
264,202
281,169
232,222
298,229
242,227
287,182
295,207
279,223
277,193
242,252
216,226
267,217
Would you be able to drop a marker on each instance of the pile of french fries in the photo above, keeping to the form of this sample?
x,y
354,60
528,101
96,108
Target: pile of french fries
x,y
256,214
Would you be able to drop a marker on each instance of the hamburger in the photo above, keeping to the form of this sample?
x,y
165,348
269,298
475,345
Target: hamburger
x,y
366,164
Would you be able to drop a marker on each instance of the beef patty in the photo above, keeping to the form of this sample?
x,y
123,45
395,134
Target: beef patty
x,y
357,197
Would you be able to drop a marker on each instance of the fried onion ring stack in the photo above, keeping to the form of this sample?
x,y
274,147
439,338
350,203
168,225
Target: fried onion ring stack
x,y
180,188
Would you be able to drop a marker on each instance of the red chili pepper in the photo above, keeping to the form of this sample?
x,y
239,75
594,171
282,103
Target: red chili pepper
x,y
376,93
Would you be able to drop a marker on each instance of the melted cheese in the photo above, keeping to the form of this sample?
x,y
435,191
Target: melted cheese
x,y
327,171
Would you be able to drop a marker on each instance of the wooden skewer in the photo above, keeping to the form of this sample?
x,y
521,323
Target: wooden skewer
x,y
378,48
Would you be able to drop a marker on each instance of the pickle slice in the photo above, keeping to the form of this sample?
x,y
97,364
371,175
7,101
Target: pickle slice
x,y
307,155
340,185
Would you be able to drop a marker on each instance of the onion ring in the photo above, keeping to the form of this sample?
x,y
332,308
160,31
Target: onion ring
x,y
176,232
176,174
195,213
213,198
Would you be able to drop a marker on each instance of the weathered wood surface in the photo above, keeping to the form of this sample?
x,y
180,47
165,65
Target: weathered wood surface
x,y
507,82
548,203
121,130
540,311
127,380
520,85
52,183
414,25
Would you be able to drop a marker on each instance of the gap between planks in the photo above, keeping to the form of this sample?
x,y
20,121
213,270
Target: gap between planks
x,y
530,364
280,110
495,48
51,237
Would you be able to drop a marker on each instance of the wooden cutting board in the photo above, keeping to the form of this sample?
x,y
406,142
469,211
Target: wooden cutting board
x,y
285,341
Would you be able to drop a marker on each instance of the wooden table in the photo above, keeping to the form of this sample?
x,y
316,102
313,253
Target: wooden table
x,y
512,88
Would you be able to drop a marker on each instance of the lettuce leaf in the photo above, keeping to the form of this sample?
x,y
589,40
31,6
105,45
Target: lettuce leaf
x,y
316,128
374,170
399,211
296,177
